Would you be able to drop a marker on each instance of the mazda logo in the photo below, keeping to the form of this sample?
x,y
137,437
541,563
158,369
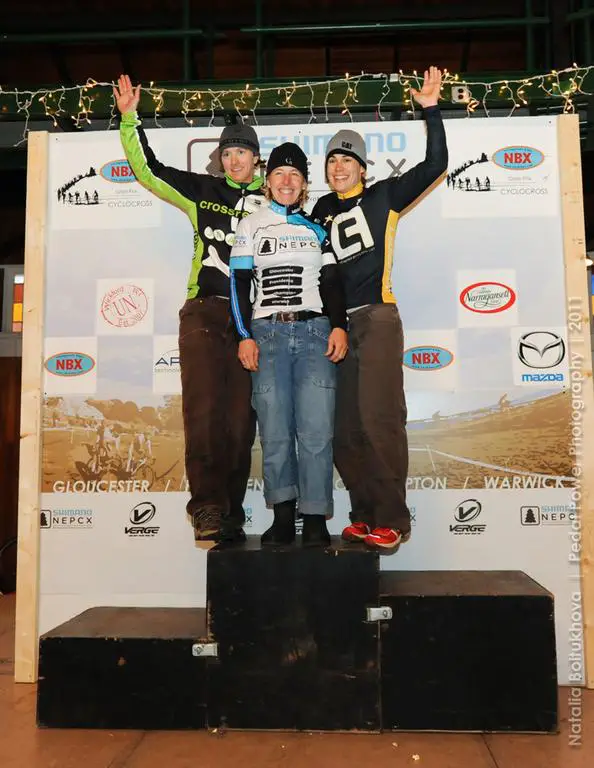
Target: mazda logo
x,y
467,510
541,349
142,513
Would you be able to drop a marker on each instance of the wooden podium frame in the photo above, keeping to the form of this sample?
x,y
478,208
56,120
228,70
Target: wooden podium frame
x,y
27,608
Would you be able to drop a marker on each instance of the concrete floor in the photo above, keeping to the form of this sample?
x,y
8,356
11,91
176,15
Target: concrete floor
x,y
23,745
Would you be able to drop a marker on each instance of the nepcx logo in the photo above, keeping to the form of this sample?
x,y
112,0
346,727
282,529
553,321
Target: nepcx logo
x,y
465,513
140,516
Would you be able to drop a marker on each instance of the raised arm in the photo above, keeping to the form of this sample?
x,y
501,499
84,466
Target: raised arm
x,y
170,184
405,189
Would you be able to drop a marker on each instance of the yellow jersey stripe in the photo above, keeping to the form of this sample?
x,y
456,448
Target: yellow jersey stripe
x,y
392,223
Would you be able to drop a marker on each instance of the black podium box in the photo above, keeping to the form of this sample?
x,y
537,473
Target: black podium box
x,y
468,651
295,649
124,668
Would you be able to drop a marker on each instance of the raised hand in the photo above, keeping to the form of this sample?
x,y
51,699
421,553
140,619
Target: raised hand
x,y
428,96
126,96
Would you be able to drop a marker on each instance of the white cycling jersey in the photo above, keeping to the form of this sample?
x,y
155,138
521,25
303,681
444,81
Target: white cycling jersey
x,y
284,251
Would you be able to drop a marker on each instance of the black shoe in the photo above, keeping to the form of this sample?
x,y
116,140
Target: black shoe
x,y
315,533
282,530
232,535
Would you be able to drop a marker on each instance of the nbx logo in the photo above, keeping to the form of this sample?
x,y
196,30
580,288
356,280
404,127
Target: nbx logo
x,y
518,157
465,512
428,357
69,365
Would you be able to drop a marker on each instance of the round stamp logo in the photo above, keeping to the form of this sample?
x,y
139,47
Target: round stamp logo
x,y
124,306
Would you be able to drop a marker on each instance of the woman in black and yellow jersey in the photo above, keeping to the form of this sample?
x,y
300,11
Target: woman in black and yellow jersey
x,y
370,442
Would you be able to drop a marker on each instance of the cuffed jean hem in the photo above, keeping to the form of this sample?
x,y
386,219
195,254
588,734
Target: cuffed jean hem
x,y
325,508
276,496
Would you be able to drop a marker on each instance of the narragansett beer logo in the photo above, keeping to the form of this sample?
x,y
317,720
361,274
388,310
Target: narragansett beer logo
x,y
124,306
487,297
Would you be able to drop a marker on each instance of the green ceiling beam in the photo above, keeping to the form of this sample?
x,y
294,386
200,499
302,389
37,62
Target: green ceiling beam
x,y
390,26
88,36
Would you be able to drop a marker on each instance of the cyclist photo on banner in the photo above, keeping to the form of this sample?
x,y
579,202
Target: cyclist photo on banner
x,y
140,450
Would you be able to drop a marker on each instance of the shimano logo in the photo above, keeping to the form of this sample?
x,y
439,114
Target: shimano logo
x,y
376,143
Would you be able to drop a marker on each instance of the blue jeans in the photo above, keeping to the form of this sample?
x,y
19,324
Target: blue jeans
x,y
293,393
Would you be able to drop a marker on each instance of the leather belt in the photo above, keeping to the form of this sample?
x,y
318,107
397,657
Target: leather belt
x,y
293,317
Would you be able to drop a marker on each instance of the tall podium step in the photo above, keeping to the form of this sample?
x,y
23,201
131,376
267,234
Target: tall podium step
x,y
295,649
468,651
124,668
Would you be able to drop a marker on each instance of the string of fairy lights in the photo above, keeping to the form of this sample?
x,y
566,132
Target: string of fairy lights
x,y
80,103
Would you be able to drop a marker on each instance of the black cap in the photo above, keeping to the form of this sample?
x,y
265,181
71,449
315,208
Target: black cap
x,y
287,154
239,135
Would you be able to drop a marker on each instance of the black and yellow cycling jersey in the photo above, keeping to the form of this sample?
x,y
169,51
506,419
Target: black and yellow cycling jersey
x,y
214,206
361,224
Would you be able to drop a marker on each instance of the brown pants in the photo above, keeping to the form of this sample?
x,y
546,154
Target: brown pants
x,y
370,441
219,422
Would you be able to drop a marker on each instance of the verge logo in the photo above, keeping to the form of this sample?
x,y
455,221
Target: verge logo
x,y
464,514
541,349
69,364
118,171
487,298
140,516
427,358
66,518
518,158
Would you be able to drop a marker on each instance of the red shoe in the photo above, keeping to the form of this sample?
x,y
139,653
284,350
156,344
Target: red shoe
x,y
356,532
386,538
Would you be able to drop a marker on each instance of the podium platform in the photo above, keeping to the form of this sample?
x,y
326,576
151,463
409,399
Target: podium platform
x,y
124,668
317,640
295,649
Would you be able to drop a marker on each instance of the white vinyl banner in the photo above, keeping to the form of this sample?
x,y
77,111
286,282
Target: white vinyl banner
x,y
479,280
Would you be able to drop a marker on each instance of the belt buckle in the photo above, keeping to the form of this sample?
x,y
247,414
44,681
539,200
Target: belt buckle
x,y
287,317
